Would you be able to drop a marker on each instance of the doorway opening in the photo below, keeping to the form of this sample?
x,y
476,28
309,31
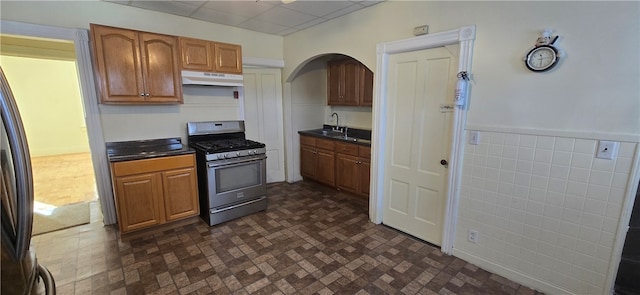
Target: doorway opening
x,y
44,81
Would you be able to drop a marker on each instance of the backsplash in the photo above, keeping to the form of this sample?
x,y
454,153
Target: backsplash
x,y
545,208
353,132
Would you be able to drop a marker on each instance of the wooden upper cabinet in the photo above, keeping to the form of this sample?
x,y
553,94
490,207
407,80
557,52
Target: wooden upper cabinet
x,y
209,56
228,58
196,54
349,83
135,67
118,65
161,68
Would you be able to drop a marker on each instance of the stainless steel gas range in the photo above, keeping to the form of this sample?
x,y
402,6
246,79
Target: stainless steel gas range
x,y
232,180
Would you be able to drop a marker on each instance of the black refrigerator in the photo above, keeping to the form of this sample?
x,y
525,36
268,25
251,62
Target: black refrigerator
x,y
20,272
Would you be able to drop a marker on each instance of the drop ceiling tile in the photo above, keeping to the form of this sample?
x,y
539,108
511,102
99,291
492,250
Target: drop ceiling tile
x,y
118,1
171,7
311,23
284,17
261,26
317,8
344,11
287,32
218,17
369,2
242,8
266,16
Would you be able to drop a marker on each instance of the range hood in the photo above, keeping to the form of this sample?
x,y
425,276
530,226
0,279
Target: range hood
x,y
212,79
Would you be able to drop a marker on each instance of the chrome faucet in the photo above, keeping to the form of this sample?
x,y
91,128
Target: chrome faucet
x,y
337,121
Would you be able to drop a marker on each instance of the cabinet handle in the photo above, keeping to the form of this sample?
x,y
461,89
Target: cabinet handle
x,y
146,94
141,94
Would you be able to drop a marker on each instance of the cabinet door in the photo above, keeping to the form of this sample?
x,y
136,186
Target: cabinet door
x,y
347,170
365,176
161,68
308,161
227,58
137,201
326,170
118,65
196,54
351,83
366,86
180,193
334,87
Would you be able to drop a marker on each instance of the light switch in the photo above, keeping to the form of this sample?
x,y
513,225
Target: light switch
x,y
607,149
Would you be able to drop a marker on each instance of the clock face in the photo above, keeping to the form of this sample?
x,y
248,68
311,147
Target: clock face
x,y
542,58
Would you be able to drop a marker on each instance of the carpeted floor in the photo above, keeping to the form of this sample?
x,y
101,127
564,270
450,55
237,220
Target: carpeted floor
x,y
47,218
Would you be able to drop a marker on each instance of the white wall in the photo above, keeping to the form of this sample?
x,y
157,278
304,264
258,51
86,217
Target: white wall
x,y
593,94
201,103
122,123
48,96
79,14
308,100
356,117
594,89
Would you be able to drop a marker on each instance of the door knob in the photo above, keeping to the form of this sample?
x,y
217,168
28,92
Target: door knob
x,y
444,162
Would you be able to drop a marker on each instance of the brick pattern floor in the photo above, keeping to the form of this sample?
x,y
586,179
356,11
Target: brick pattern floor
x,y
310,240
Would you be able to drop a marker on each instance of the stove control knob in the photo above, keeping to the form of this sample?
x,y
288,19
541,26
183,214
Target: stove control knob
x,y
220,156
250,152
238,154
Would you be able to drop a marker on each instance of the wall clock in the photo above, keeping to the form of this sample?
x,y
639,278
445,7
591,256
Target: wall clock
x,y
544,55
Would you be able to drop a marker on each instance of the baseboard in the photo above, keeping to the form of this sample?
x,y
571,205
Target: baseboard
x,y
510,274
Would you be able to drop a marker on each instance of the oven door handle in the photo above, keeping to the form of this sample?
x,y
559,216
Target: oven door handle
x,y
236,163
214,211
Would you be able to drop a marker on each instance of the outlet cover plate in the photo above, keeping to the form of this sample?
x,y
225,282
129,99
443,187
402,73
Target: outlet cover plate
x,y
607,149
474,137
473,236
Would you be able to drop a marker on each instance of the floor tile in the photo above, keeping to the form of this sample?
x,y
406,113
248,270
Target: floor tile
x,y
310,240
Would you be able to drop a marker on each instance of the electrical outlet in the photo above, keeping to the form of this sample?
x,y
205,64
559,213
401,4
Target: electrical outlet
x,y
474,137
421,30
607,149
473,236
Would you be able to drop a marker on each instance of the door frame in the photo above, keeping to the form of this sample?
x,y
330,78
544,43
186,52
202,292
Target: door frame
x,y
464,37
80,39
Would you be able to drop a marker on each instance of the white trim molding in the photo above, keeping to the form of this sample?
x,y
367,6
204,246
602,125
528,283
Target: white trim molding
x,y
464,37
248,61
556,132
80,38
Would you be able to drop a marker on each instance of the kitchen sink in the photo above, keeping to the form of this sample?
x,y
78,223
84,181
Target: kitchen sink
x,y
338,135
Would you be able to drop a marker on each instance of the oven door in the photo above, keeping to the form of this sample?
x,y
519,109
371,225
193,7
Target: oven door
x,y
236,180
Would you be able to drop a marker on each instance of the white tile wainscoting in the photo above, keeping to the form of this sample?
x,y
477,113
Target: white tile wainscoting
x,y
545,209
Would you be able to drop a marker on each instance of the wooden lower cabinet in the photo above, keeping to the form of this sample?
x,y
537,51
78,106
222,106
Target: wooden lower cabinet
x,y
341,165
154,191
353,168
138,205
317,160
176,185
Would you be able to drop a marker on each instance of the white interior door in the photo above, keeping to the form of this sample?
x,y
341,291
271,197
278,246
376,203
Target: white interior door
x,y
263,116
418,137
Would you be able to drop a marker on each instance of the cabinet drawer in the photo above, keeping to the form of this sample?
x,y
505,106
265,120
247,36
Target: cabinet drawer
x,y
307,140
324,144
347,148
152,165
365,152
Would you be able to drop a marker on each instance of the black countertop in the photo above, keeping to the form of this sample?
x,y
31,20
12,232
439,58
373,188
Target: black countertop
x,y
145,149
354,135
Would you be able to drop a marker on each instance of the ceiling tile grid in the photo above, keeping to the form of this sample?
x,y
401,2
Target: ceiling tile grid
x,y
265,16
